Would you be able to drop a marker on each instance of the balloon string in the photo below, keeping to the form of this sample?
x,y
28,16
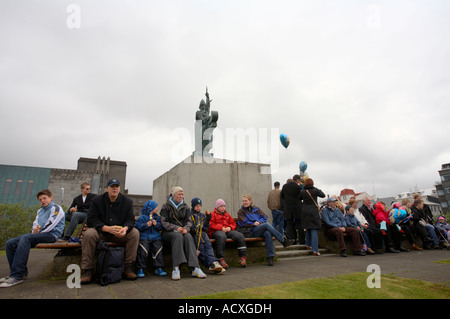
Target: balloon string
x,y
289,164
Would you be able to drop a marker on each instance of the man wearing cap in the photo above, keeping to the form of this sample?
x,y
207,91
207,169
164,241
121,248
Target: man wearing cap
x,y
336,226
110,218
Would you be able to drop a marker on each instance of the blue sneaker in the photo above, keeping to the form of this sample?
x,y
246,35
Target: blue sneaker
x,y
160,272
141,273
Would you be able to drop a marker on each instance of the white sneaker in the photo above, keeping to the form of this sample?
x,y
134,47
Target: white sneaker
x,y
198,273
176,274
4,279
11,282
216,267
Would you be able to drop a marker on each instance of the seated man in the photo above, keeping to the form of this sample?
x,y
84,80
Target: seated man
x,y
336,226
110,218
77,212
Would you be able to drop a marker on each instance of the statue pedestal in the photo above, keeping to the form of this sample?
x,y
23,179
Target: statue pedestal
x,y
210,179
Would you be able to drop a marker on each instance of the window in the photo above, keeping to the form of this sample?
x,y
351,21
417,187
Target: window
x,y
29,187
7,186
440,192
445,178
444,204
18,186
447,190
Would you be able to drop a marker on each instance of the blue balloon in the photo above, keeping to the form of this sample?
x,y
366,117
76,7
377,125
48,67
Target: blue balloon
x,y
284,140
303,166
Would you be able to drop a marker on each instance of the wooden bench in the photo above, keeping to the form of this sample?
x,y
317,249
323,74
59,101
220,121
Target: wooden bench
x,y
66,245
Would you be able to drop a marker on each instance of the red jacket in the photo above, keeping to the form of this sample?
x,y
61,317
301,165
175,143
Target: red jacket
x,y
380,214
219,221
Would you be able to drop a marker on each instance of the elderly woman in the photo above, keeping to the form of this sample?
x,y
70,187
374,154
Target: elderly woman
x,y
176,231
253,223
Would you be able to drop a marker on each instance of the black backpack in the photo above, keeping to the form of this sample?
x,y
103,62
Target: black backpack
x,y
110,264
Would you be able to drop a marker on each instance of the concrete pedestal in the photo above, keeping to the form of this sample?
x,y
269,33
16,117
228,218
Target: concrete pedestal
x,y
211,178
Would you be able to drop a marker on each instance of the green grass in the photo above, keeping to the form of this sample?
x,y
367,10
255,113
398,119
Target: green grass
x,y
350,286
444,261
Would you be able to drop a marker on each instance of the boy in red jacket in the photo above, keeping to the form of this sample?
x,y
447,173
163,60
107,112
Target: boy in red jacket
x,y
223,226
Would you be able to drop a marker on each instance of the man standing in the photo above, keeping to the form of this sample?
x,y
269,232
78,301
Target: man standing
x,y
77,212
110,218
290,195
274,204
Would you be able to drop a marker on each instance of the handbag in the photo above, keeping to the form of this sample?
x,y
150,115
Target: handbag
x,y
313,199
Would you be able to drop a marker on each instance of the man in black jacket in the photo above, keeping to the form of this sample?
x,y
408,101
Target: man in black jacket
x,y
110,218
290,196
77,212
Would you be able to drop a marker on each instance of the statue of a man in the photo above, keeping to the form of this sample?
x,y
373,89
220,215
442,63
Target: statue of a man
x,y
208,124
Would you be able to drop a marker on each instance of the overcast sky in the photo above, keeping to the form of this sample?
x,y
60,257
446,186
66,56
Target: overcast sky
x,y
362,88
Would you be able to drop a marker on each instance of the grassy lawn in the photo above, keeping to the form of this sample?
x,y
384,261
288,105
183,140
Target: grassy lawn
x,y
350,286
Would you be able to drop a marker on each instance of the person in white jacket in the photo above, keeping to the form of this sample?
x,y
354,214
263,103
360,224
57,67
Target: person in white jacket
x,y
47,228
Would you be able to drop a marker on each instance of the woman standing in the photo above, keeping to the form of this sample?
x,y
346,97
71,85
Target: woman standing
x,y
253,223
310,215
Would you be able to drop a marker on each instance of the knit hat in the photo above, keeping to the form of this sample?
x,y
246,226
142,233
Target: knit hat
x,y
220,202
149,206
175,190
195,201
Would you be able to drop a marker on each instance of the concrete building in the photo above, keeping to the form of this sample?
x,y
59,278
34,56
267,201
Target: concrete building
x,y
443,188
20,184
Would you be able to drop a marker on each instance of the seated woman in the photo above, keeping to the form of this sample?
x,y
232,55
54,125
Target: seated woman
x,y
252,222
176,224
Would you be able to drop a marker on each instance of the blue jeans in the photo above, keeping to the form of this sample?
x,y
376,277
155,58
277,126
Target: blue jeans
x,y
75,219
312,240
267,231
18,250
432,233
278,220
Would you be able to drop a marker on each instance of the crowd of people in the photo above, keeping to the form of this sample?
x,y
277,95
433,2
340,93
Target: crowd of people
x,y
297,218
372,229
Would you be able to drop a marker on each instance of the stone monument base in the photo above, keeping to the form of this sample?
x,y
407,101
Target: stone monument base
x,y
210,179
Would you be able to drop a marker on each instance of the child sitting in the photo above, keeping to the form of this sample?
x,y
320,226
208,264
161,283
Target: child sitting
x,y
443,226
149,226
47,227
199,231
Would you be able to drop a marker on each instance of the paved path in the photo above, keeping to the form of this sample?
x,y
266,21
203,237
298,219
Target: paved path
x,y
419,265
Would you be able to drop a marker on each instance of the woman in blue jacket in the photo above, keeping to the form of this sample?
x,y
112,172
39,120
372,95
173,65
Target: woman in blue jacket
x,y
149,226
252,222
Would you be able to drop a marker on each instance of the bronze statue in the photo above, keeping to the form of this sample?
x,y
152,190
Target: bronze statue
x,y
204,129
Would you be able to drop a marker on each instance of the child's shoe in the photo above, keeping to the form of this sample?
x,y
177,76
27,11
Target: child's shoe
x,y
141,273
223,263
216,267
160,272
176,274
243,261
198,273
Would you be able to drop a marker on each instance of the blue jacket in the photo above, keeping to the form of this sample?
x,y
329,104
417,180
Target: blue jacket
x,y
333,217
352,221
200,222
149,233
248,216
